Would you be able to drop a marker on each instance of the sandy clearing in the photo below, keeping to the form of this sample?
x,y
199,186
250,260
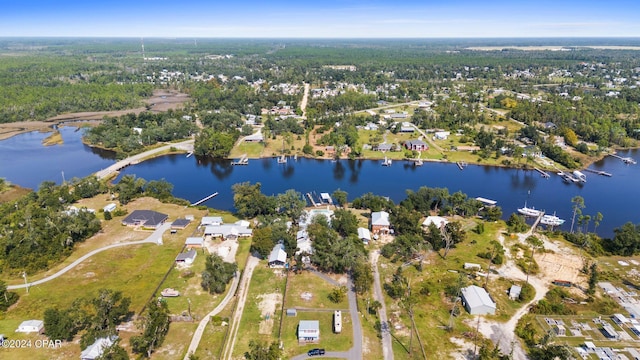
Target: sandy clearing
x,y
267,306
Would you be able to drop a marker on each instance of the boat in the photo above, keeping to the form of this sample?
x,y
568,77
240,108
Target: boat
x,y
551,220
580,176
386,162
529,211
169,292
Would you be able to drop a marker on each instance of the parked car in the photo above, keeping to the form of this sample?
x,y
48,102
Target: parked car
x,y
314,352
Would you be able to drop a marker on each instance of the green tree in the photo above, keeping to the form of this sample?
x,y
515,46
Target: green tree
x,y
7,298
262,241
217,274
340,197
291,204
338,294
593,279
262,351
155,325
626,240
114,352
344,222
578,205
362,276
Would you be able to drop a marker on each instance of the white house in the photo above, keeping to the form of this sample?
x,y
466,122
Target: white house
x,y
211,221
186,258
228,231
477,301
194,242
109,208
96,349
31,326
364,235
308,331
441,135
514,292
439,221
278,257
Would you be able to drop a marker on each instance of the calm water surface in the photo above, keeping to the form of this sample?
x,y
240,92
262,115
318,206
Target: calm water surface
x,y
25,162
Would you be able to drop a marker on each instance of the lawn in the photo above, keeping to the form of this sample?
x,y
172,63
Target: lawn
x,y
265,281
307,282
328,339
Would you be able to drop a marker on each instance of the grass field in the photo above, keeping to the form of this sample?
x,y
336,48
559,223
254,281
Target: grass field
x,y
328,339
307,282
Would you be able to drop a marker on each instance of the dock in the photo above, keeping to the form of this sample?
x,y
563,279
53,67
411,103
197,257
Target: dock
x,y
242,161
542,173
282,160
205,199
626,160
386,162
537,222
603,173
461,164
190,153
313,201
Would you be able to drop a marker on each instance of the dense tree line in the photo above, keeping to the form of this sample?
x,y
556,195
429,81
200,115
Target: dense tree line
x,y
217,274
155,326
35,230
96,317
215,144
120,134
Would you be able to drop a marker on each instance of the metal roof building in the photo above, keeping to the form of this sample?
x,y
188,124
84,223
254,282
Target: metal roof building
x,y
477,301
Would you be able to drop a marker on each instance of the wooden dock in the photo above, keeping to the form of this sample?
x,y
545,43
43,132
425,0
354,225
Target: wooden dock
x,y
626,160
461,164
242,161
537,222
205,199
542,173
603,173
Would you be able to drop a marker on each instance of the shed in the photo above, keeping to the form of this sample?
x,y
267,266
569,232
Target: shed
x,y
514,292
308,331
96,349
364,235
477,301
278,256
109,207
31,326
292,312
186,258
194,242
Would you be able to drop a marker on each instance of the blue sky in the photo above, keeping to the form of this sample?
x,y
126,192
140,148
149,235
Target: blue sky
x,y
328,18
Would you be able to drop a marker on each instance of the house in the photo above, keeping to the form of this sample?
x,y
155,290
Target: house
x,y
364,235
514,292
278,257
308,331
609,331
417,145
383,147
228,231
559,330
439,221
180,223
109,208
380,222
194,242
186,258
441,135
619,319
477,301
211,220
257,137
145,218
31,326
96,349
407,127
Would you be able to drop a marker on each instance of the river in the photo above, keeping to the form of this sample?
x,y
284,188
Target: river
x,y
24,161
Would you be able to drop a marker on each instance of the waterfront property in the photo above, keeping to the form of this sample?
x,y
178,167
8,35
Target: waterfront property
x,y
380,222
145,218
211,221
277,257
416,145
228,231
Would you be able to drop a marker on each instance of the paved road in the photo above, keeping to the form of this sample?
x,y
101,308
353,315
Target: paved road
x,y
237,314
151,239
185,145
387,350
355,353
197,336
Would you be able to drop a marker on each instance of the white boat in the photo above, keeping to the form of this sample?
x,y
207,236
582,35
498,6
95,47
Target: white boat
x,y
386,162
580,176
551,220
526,211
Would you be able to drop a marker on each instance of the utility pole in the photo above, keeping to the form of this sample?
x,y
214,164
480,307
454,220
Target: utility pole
x,y
24,275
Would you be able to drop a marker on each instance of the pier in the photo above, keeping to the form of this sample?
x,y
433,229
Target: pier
x,y
537,222
461,164
542,173
190,153
626,160
242,161
282,159
603,173
313,202
205,199
386,162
